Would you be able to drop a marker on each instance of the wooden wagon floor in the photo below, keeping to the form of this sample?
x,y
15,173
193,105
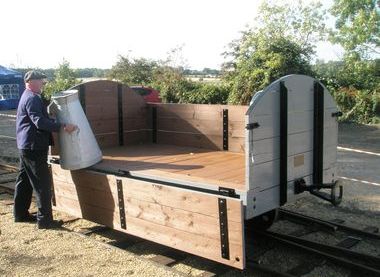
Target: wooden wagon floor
x,y
219,168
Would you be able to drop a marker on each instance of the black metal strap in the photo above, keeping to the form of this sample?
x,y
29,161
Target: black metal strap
x,y
283,143
154,124
120,197
120,113
82,96
318,133
223,223
225,129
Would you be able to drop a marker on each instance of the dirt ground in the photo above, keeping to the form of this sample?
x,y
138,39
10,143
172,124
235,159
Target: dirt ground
x,y
26,251
56,253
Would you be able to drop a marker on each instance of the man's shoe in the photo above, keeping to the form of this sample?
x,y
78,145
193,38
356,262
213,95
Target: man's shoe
x,y
27,218
54,224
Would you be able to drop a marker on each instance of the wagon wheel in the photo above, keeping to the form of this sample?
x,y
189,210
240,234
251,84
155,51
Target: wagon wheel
x,y
263,221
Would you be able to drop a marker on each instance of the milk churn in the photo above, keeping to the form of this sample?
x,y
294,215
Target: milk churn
x,y
78,149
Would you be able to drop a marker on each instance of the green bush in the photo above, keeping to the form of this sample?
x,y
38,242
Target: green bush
x,y
207,93
354,83
171,83
64,78
358,105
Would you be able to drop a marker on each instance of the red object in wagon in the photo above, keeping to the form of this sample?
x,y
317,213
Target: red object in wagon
x,y
149,94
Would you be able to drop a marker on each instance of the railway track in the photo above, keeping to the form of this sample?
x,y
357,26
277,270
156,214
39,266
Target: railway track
x,y
314,253
342,253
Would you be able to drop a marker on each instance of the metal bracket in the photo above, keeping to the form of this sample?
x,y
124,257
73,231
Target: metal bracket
x,y
54,160
227,192
121,204
225,129
251,126
337,114
223,223
300,186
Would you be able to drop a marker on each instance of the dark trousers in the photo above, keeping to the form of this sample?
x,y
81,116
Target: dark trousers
x,y
34,175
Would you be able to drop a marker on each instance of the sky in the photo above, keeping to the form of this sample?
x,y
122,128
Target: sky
x,y
41,33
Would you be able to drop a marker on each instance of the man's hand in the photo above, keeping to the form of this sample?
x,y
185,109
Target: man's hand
x,y
69,128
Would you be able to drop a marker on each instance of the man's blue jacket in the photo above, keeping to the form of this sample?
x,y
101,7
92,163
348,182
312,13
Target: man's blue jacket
x,y
33,125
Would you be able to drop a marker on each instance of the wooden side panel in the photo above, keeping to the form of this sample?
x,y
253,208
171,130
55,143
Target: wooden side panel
x,y
135,118
101,111
200,125
183,219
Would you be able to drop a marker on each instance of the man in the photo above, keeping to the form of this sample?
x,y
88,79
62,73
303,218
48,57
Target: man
x,y
33,131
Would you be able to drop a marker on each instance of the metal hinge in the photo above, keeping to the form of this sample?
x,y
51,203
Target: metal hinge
x,y
54,160
251,126
337,114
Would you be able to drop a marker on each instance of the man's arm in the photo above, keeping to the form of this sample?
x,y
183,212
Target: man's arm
x,y
34,109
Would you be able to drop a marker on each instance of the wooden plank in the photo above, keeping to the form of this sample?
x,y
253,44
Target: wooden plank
x,y
236,145
182,163
200,125
164,260
132,100
176,197
269,171
182,219
268,149
104,126
107,139
135,114
168,216
150,192
100,112
186,139
214,166
300,121
184,241
175,163
200,111
191,180
206,127
98,91
136,137
135,123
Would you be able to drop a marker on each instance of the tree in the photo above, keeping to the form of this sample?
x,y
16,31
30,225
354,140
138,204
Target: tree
x,y
64,78
357,26
136,71
282,43
300,23
355,84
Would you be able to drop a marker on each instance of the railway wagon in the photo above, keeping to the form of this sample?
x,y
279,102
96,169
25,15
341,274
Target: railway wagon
x,y
192,176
